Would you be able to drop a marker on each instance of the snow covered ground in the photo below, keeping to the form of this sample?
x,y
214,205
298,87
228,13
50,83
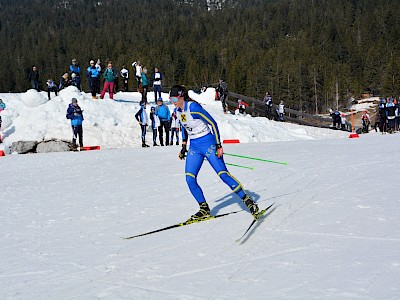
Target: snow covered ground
x,y
334,232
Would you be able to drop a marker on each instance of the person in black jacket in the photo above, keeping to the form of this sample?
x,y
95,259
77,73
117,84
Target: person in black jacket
x,y
34,78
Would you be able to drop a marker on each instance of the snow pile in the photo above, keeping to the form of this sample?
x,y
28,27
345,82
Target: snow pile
x,y
30,116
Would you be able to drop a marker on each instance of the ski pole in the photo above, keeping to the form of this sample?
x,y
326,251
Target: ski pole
x,y
256,158
234,165
246,167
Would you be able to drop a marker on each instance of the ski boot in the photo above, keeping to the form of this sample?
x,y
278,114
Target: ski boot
x,y
253,207
201,215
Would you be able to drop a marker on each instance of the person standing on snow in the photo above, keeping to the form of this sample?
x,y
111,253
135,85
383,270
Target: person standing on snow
x,y
34,78
222,93
268,104
93,75
145,84
163,113
137,67
141,117
109,82
365,121
241,107
75,69
174,129
125,76
155,123
51,87
75,114
205,142
281,109
156,79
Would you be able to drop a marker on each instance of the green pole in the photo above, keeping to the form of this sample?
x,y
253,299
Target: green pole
x,y
256,158
234,165
251,168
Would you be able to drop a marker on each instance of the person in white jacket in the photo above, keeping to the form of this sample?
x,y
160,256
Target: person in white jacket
x,y
174,129
137,66
155,123
281,111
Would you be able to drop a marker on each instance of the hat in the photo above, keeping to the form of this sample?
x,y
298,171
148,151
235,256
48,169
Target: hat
x,y
177,91
74,60
92,61
160,99
152,108
74,100
239,100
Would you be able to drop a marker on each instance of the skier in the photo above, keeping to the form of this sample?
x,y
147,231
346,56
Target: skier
x,y
75,114
205,142
141,117
155,123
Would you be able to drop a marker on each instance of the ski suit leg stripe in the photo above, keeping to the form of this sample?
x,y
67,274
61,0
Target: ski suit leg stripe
x,y
194,161
239,187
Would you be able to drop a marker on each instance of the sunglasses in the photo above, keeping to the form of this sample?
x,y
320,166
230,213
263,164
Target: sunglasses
x,y
174,99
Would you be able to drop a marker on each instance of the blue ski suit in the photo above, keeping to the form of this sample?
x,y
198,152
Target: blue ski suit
x,y
204,135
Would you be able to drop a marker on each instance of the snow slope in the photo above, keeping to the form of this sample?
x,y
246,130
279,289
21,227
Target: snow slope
x,y
334,232
111,124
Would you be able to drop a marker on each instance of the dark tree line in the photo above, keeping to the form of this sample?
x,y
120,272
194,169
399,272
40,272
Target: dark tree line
x,y
299,50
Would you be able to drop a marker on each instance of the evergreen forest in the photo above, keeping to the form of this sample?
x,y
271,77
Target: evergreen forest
x,y
304,52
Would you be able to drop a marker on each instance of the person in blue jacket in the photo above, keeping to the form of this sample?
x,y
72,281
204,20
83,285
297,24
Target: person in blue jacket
x,y
164,115
75,114
75,69
205,143
141,117
93,74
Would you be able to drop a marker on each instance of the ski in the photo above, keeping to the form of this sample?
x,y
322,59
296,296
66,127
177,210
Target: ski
x,y
182,224
259,215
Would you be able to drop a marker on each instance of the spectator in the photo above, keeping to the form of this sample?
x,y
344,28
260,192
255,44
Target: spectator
x,y
109,81
34,78
174,129
138,72
124,75
382,116
75,69
281,111
145,84
365,121
397,115
336,119
343,122
98,65
93,75
116,80
241,107
64,82
222,93
75,114
156,79
268,104
51,87
2,107
75,81
163,113
155,123
141,117
390,115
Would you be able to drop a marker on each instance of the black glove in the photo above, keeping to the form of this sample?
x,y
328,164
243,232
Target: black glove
x,y
182,153
218,146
